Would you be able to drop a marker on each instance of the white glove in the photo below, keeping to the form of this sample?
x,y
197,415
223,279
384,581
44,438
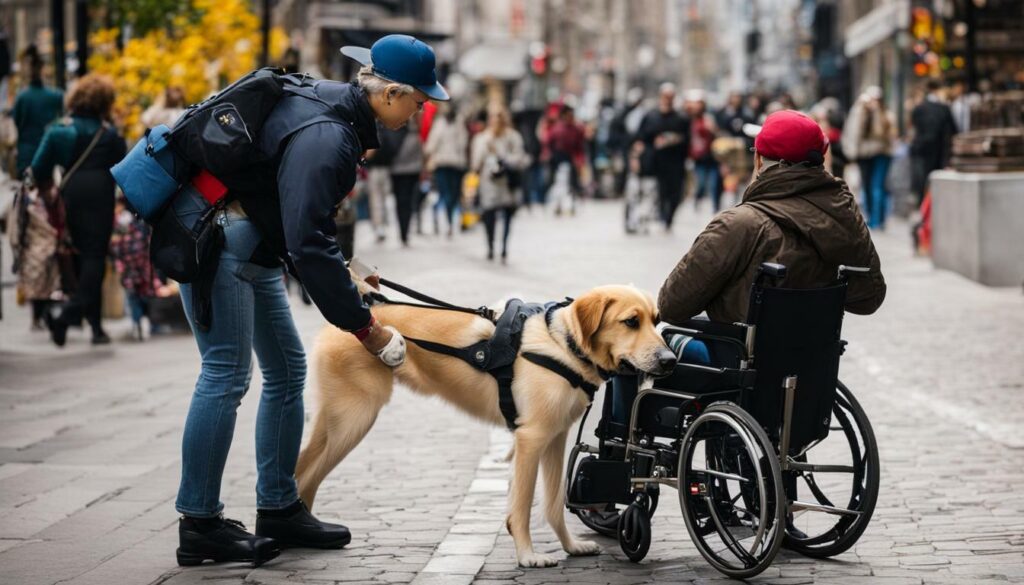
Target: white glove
x,y
393,353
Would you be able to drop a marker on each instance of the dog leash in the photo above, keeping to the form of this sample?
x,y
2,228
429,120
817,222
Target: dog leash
x,y
429,301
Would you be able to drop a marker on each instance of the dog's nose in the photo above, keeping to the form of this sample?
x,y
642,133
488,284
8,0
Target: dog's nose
x,y
666,360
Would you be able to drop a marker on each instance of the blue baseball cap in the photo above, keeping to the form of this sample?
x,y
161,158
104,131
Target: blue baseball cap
x,y
402,59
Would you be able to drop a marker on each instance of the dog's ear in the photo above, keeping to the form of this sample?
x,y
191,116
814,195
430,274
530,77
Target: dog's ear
x,y
589,311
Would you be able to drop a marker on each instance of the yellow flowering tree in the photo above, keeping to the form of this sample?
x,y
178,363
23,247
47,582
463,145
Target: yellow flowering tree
x,y
204,48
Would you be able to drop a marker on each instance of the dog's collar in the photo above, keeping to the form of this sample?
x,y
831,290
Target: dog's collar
x,y
570,341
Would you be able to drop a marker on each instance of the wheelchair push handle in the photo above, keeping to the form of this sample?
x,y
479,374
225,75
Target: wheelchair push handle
x,y
845,270
771,270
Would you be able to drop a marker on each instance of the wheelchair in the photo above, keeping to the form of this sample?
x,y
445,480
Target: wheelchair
x,y
766,448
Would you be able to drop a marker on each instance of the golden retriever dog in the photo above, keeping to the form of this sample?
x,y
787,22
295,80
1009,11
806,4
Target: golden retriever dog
x,y
614,326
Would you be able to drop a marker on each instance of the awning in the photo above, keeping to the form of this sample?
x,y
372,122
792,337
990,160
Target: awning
x,y
876,26
500,60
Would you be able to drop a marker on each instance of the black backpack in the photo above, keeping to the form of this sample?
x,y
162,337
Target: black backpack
x,y
220,134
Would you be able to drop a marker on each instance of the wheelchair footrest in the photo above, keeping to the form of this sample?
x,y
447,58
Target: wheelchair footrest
x,y
600,482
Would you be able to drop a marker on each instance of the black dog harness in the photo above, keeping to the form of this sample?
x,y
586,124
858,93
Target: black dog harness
x,y
497,355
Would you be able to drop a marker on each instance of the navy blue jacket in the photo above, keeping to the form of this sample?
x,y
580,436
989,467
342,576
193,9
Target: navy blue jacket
x,y
310,171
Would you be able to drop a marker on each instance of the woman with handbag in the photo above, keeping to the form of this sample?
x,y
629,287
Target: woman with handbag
x,y
499,158
86,145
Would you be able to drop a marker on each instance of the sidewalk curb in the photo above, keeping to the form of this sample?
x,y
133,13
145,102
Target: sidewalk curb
x,y
476,524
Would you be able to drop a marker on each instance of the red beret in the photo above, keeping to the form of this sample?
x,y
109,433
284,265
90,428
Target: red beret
x,y
793,137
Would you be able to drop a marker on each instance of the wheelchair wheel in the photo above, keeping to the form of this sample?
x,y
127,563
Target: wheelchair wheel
x,y
725,457
847,495
634,529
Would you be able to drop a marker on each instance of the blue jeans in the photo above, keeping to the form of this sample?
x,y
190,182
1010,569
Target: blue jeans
x,y
536,190
873,173
624,388
708,181
449,187
250,312
137,306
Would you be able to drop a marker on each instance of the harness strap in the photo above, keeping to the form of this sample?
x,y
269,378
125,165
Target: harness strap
x,y
477,355
574,379
570,341
506,403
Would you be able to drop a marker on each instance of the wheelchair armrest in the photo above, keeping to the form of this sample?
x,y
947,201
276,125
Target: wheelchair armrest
x,y
694,327
699,379
741,377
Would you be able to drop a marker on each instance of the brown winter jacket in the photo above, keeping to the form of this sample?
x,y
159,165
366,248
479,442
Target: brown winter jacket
x,y
799,216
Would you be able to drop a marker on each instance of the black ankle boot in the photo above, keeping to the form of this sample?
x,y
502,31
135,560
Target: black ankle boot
x,y
58,327
295,526
221,540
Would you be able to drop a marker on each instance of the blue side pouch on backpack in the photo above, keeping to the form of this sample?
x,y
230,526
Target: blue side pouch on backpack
x,y
150,174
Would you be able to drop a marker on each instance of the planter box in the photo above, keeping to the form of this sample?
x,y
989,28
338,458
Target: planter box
x,y
978,225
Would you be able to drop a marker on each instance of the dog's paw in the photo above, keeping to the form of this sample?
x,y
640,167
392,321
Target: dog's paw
x,y
583,548
534,560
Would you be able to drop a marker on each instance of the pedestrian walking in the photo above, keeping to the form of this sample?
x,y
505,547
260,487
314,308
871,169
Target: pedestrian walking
x,y
378,184
666,138
829,116
621,137
734,115
526,121
86,144
446,149
34,109
129,249
309,168
868,139
933,130
498,158
406,169
566,145
34,225
706,167
641,194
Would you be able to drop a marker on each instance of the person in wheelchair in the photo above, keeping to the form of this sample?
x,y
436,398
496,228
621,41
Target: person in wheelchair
x,y
794,213
735,439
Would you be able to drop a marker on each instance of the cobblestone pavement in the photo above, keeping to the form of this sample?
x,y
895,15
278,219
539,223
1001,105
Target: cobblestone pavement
x,y
89,438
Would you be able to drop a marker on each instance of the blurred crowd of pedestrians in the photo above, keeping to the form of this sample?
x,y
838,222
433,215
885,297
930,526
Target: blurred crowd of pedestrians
x,y
455,165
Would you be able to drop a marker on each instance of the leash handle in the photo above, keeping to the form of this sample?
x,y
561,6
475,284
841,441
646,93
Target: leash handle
x,y
437,303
